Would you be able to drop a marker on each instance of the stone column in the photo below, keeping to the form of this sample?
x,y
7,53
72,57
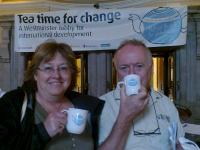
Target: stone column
x,y
197,104
5,25
187,69
12,64
99,73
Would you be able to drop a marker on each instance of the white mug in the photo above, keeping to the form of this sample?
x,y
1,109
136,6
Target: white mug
x,y
77,119
132,82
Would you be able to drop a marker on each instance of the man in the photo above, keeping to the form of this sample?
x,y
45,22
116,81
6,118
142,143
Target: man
x,y
139,121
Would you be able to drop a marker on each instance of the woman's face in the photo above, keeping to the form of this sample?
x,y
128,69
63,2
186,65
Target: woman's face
x,y
54,77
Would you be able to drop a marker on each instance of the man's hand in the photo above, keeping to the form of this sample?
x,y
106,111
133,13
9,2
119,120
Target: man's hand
x,y
132,106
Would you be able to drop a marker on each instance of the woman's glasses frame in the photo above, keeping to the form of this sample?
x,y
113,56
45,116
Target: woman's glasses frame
x,y
51,70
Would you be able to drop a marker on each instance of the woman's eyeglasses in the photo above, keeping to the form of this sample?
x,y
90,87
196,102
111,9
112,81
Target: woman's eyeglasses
x,y
149,133
51,70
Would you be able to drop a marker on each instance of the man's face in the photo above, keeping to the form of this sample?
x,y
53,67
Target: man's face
x,y
134,60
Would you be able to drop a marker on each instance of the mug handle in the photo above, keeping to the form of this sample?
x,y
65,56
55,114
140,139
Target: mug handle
x,y
118,84
65,111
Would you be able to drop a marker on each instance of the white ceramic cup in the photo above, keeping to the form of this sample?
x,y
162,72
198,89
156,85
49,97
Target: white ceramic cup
x,y
77,119
132,82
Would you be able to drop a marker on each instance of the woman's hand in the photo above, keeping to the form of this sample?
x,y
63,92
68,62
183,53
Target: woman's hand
x,y
55,123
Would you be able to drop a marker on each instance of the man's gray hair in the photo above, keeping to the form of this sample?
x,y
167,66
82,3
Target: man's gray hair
x,y
134,42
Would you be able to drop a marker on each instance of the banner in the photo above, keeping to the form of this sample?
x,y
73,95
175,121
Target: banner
x,y
102,29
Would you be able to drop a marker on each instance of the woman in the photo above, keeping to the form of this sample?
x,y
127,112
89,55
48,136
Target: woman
x,y
38,123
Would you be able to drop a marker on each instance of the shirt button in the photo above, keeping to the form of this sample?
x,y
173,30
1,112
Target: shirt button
x,y
72,139
74,145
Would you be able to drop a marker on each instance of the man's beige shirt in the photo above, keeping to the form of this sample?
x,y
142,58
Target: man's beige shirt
x,y
160,112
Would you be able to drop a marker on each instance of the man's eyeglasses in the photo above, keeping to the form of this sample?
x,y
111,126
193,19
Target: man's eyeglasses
x,y
149,133
51,70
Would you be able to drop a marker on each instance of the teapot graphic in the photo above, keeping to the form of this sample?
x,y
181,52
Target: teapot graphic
x,y
78,120
159,26
132,82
